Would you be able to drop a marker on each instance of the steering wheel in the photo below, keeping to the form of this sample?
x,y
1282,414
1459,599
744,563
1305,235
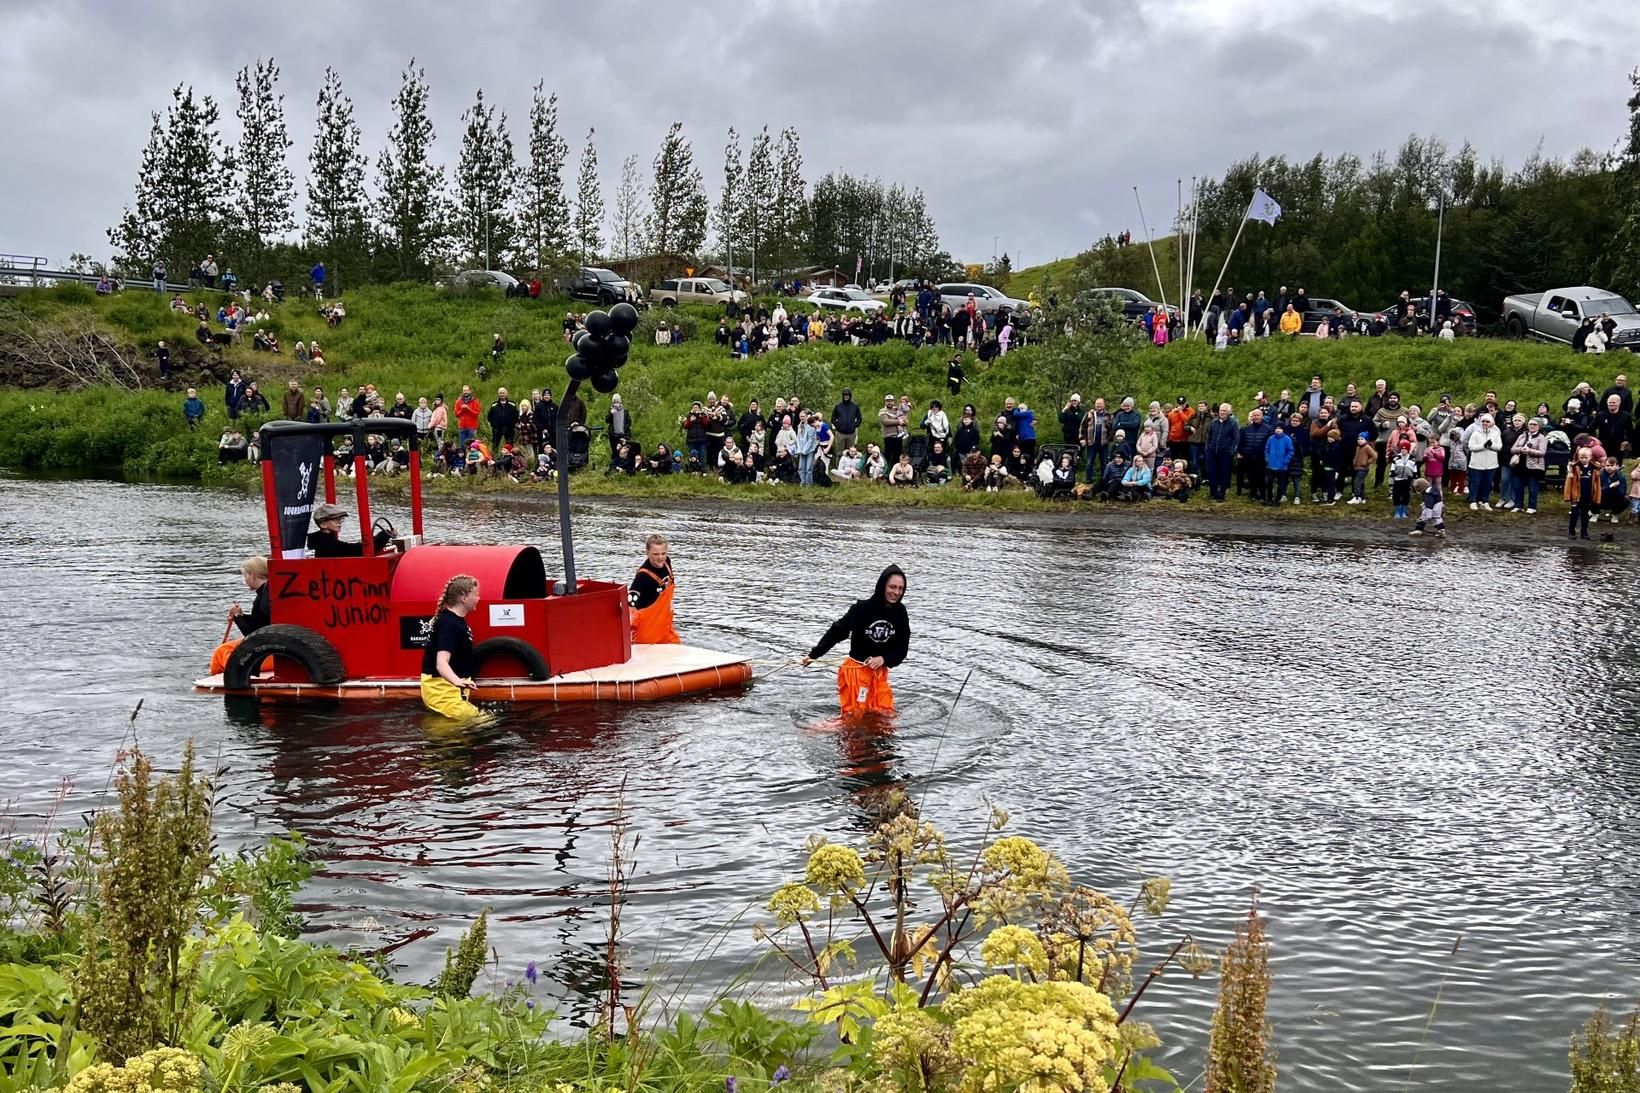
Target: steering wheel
x,y
383,531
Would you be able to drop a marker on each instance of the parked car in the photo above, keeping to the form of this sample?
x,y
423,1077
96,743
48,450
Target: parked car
x,y
603,286
1554,316
845,299
696,290
1133,304
1321,310
486,278
1463,313
989,300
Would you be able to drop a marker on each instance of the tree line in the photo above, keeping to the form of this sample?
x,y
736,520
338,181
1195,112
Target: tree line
x,y
1365,230
500,206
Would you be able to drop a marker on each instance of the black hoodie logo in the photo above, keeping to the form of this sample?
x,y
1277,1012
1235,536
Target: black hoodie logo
x,y
880,631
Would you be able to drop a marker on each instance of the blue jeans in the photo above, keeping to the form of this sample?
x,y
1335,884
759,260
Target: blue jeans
x,y
805,469
466,436
698,451
1526,488
1101,452
1506,481
1480,485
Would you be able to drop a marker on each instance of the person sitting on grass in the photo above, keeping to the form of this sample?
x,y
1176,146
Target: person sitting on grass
x,y
937,472
1110,482
1172,481
1136,482
973,470
783,467
851,464
996,474
876,465
661,461
903,473
232,448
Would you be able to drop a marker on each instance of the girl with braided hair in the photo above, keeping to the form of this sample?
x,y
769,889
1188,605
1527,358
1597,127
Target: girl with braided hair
x,y
447,664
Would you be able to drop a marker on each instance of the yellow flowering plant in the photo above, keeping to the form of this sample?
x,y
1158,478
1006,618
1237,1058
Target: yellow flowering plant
x,y
1011,904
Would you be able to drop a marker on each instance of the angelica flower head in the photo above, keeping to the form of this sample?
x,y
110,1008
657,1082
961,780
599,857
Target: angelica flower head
x,y
791,903
836,869
1014,946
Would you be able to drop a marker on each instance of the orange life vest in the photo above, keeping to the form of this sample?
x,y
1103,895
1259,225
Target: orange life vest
x,y
862,690
652,625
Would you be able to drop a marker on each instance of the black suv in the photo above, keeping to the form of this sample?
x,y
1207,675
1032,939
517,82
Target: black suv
x,y
601,286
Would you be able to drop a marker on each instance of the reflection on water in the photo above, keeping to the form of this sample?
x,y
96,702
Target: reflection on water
x,y
1397,746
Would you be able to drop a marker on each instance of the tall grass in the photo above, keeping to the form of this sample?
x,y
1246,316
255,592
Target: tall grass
x,y
424,341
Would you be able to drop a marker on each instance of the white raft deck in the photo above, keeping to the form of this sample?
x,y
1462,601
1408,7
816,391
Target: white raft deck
x,y
654,672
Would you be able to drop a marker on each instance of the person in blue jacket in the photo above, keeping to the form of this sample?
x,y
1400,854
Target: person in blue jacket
x,y
1278,461
193,408
1250,446
1024,422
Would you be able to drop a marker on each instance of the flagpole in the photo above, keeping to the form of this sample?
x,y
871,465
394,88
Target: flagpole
x,y
1440,224
1196,227
1226,266
1151,246
1178,239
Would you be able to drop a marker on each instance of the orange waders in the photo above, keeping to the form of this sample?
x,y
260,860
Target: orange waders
x,y
863,690
652,625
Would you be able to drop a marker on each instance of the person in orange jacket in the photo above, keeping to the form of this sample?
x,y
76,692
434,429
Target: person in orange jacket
x,y
650,595
1179,420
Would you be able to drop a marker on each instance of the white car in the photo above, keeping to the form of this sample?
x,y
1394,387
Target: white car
x,y
844,299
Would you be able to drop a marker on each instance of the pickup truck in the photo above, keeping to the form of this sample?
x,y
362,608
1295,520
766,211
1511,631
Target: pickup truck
x,y
1555,315
696,290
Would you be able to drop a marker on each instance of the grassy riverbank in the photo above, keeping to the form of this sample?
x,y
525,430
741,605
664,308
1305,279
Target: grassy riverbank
x,y
422,341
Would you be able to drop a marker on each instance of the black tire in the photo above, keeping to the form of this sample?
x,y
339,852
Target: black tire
x,y
1515,328
311,652
535,665
607,299
669,303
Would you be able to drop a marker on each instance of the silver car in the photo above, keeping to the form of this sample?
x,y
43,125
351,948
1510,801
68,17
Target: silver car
x,y
486,278
989,300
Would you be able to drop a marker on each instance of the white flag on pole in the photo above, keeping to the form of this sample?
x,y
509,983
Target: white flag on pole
x,y
1263,208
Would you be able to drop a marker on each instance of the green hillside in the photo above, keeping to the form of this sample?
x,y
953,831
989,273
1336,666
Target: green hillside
x,y
421,341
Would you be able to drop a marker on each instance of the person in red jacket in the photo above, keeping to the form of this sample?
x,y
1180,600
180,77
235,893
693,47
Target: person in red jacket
x,y
469,411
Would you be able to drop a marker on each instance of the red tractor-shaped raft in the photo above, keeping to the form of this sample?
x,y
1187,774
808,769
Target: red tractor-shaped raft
x,y
355,627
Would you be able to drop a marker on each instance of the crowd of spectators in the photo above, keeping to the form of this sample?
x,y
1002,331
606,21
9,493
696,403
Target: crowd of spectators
x,y
1353,447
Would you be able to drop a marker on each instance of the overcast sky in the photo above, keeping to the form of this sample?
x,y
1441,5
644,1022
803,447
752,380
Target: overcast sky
x,y
1026,122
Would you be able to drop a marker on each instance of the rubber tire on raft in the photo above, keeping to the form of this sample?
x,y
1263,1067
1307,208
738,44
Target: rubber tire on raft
x,y
535,665
311,652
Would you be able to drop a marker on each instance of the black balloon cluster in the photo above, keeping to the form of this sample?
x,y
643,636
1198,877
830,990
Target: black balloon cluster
x,y
602,347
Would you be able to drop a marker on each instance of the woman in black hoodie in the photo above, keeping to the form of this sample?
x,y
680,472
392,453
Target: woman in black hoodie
x,y
879,636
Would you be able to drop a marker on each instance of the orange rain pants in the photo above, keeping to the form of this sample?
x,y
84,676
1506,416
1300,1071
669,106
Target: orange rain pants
x,y
862,690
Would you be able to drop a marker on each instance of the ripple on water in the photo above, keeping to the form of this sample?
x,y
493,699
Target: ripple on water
x,y
1399,749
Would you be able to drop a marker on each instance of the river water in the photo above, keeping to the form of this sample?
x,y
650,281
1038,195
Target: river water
x,y
1402,748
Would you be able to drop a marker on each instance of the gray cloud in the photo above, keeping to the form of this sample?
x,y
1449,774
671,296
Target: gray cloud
x,y
1029,121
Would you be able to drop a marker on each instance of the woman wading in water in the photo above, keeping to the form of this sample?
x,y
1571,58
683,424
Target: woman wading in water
x,y
879,635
